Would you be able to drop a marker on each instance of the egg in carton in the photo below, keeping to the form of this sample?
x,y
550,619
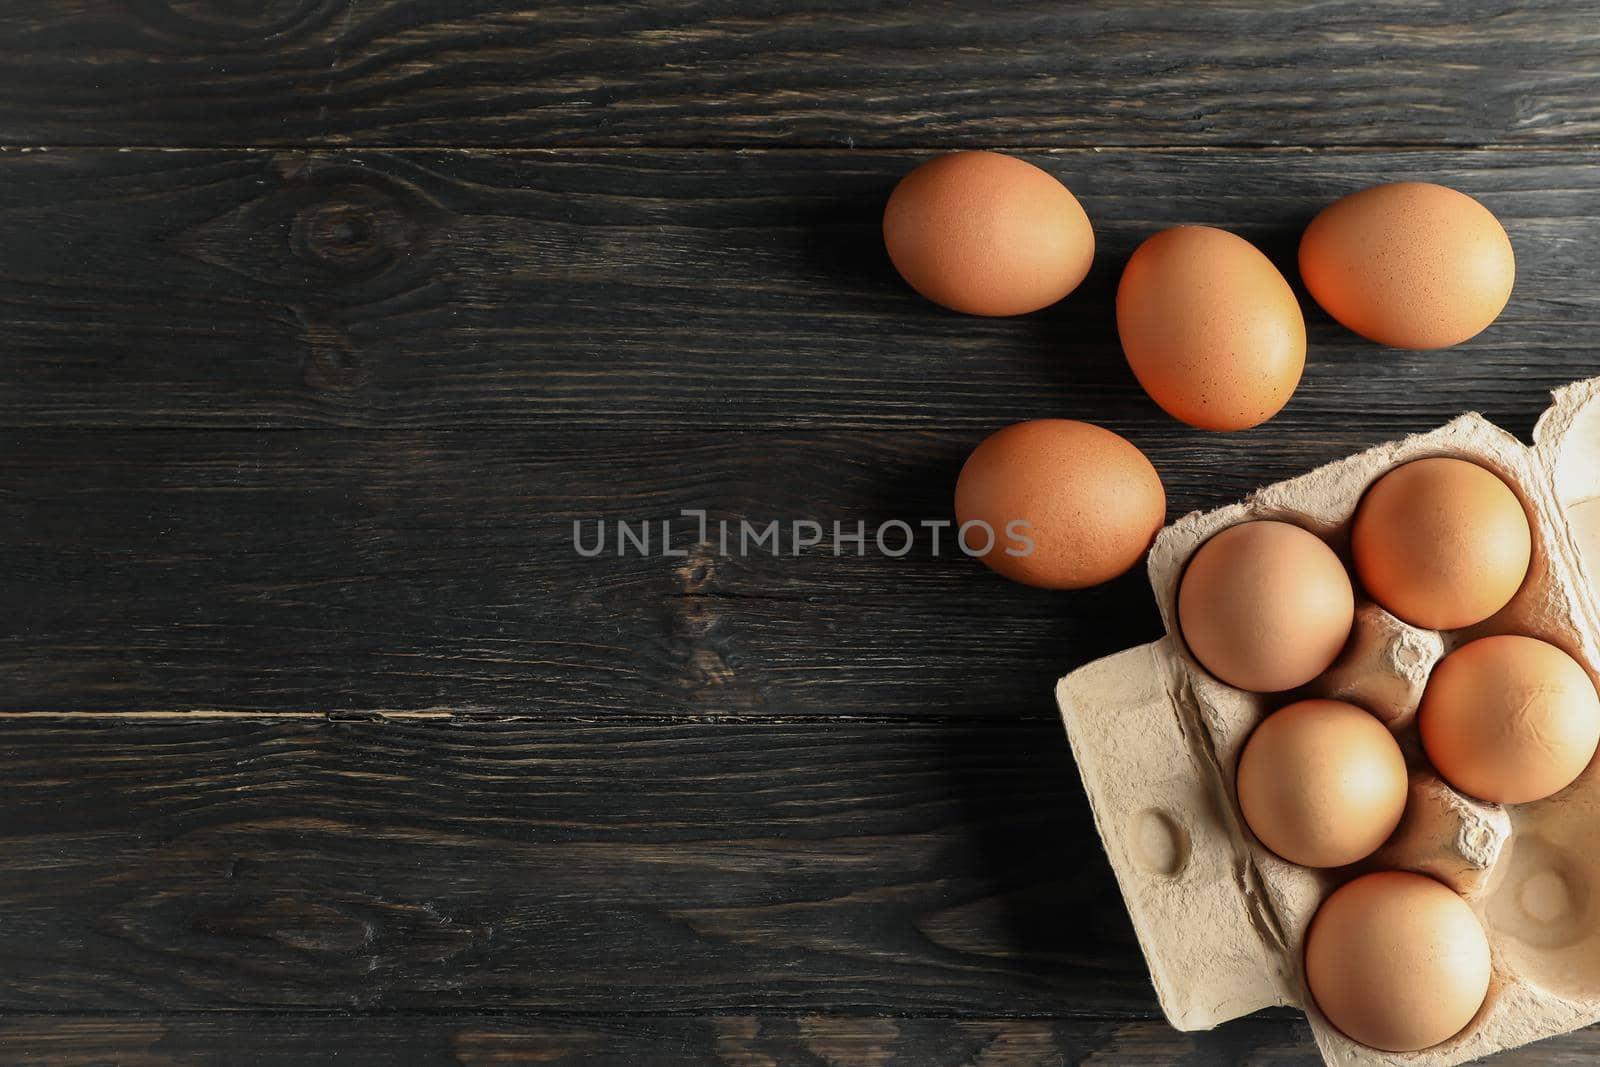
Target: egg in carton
x,y
1222,920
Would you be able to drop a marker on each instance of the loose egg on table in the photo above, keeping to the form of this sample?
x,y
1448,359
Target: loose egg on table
x,y
987,234
1210,328
1410,264
1062,504
1441,543
1322,783
1265,606
1509,719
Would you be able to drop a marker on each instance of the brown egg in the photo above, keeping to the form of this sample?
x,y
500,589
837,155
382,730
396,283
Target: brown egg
x,y
1509,719
1322,783
1210,328
1068,504
1265,606
1397,961
987,234
1411,264
1441,543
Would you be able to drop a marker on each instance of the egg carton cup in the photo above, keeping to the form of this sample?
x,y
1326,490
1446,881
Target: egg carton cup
x,y
1221,920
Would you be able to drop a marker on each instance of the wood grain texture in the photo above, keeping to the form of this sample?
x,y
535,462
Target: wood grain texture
x,y
253,570
475,72
215,1039
803,1040
302,396
449,866
672,289
733,1040
514,892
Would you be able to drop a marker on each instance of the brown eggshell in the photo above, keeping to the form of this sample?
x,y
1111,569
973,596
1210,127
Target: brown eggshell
x,y
1412,265
1509,719
1441,543
1397,961
1210,328
1265,606
1091,501
987,234
1322,783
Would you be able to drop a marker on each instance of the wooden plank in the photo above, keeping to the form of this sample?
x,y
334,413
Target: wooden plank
x,y
297,1040
255,570
670,289
781,72
395,866
300,1039
716,891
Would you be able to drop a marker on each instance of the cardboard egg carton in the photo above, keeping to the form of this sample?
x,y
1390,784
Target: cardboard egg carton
x,y
1221,919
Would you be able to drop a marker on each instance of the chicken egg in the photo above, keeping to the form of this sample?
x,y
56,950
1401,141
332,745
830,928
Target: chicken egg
x,y
1410,264
1397,961
1509,719
1210,328
1322,783
987,234
1265,606
1441,543
1058,503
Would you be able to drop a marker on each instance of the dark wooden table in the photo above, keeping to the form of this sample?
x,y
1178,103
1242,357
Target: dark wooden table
x,y
325,319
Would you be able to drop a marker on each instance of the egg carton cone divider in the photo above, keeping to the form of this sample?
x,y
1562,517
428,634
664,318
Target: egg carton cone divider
x,y
1220,919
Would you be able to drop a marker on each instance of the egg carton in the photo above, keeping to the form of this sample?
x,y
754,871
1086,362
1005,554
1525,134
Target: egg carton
x,y
1221,920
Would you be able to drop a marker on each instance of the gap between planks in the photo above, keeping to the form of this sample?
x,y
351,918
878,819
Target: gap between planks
x,y
481,716
475,1012
1508,147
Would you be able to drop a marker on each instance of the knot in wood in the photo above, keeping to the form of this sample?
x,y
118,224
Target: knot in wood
x,y
354,229
235,22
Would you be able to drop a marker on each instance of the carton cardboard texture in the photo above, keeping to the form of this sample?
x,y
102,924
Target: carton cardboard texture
x,y
1220,919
